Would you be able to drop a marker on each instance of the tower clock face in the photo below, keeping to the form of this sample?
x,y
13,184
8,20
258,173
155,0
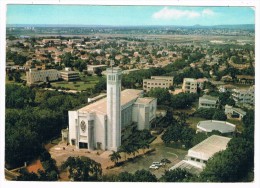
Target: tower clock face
x,y
83,126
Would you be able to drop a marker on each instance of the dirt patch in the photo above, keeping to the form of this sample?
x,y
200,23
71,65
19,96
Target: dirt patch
x,y
35,166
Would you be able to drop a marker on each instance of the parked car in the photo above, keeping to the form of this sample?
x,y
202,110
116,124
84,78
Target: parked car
x,y
153,167
165,160
157,164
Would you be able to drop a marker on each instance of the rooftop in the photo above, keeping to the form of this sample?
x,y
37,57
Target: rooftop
x,y
155,80
245,77
208,97
190,79
188,166
145,100
207,148
221,126
100,106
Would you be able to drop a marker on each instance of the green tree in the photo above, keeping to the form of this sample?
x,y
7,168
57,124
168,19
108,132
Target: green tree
x,y
83,169
115,156
21,145
144,144
163,96
67,59
98,71
198,137
17,77
100,86
219,115
187,134
183,100
18,96
176,175
144,176
172,133
126,177
26,176
206,113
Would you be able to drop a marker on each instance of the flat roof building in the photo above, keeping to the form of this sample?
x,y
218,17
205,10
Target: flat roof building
x,y
234,112
198,155
35,76
189,85
207,101
157,82
221,126
69,75
244,96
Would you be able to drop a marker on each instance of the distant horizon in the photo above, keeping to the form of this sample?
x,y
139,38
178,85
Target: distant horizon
x,y
128,15
85,25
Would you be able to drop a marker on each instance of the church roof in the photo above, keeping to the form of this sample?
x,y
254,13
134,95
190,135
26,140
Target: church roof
x,y
100,106
145,100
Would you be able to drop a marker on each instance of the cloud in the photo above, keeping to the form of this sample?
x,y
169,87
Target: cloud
x,y
208,12
169,14
173,14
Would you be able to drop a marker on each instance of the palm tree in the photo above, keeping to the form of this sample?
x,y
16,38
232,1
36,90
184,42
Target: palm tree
x,y
144,145
115,156
124,148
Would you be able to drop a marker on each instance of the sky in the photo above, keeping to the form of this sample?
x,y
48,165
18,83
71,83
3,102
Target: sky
x,y
128,15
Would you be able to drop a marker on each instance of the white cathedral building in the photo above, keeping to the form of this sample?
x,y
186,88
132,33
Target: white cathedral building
x,y
99,124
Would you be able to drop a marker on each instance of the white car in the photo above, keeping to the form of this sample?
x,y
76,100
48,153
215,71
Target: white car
x,y
157,164
153,167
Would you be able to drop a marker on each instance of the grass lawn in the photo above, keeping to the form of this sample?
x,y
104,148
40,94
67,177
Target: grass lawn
x,y
12,82
238,123
193,121
161,151
83,84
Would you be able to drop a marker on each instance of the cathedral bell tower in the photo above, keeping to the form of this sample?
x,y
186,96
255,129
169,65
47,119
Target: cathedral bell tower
x,y
114,76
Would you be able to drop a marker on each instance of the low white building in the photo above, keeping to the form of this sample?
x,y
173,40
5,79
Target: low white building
x,y
34,76
211,125
207,101
198,155
234,112
244,96
189,85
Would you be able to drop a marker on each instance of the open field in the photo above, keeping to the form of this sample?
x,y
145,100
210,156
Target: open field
x,y
79,85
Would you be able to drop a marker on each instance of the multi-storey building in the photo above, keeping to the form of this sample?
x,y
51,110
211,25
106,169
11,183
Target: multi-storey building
x,y
207,101
34,75
189,85
244,96
69,75
157,82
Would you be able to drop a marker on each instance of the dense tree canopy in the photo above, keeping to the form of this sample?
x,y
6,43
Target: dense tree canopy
x,y
144,176
19,96
32,118
211,113
163,96
83,169
176,175
177,132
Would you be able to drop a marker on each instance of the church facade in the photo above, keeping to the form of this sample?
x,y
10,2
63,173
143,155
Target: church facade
x,y
99,124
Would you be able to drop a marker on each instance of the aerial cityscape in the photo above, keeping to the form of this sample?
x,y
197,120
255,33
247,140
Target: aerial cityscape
x,y
129,93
